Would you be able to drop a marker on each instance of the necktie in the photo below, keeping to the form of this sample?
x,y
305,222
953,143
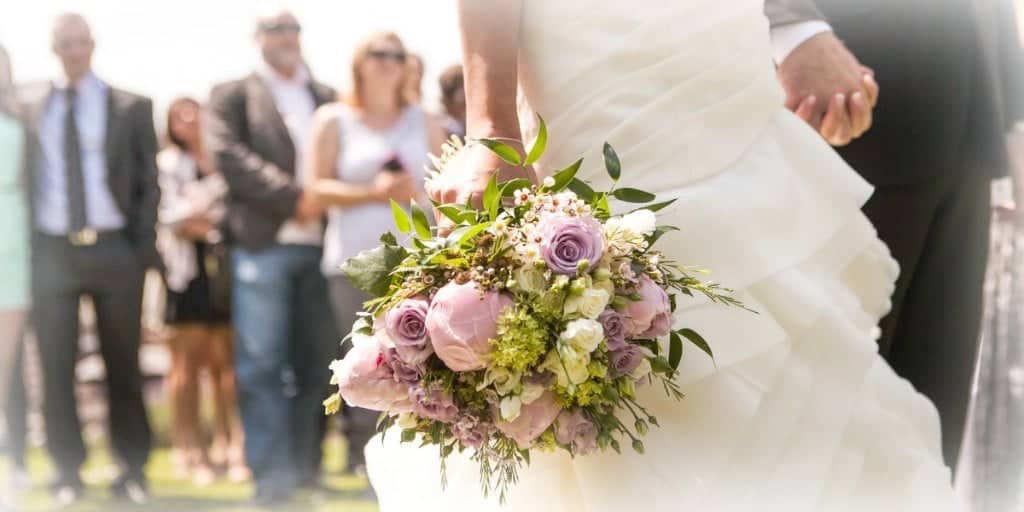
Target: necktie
x,y
77,216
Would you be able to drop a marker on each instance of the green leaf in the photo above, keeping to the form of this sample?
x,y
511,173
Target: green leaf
x,y
611,162
508,189
505,152
408,435
565,176
582,190
419,221
401,218
455,213
697,340
539,144
659,232
633,195
602,205
492,199
472,232
388,238
657,207
370,270
675,351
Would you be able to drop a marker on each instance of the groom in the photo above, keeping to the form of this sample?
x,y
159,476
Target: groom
x,y
945,70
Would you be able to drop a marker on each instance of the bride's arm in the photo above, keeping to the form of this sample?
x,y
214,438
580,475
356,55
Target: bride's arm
x,y
490,49
490,53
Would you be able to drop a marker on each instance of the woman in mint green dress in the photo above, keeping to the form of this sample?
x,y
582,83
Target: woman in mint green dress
x,y
14,242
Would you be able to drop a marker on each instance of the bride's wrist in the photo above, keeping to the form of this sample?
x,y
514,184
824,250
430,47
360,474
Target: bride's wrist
x,y
504,126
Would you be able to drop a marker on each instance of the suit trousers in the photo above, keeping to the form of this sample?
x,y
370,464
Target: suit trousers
x,y
111,273
938,231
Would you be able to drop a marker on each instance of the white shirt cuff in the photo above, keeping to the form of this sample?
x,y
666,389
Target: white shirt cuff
x,y
787,38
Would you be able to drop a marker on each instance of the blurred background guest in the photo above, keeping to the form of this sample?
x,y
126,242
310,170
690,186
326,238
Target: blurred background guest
x,y
453,100
14,264
198,281
93,172
367,150
284,333
413,85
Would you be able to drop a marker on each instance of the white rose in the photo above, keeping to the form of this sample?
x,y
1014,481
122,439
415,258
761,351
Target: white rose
x,y
584,334
588,305
510,408
530,279
505,381
640,222
607,286
569,366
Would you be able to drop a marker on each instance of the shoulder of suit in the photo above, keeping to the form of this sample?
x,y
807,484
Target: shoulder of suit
x,y
128,98
231,87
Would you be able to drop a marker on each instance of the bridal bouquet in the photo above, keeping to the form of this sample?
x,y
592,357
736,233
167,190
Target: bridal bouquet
x,y
527,327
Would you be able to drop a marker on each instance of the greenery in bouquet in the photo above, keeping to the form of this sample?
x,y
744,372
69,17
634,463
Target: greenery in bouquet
x,y
527,326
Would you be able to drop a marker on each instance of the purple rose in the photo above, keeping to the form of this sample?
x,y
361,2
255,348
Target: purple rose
x,y
641,314
566,241
461,321
433,403
471,431
661,325
406,324
403,372
575,430
614,329
626,359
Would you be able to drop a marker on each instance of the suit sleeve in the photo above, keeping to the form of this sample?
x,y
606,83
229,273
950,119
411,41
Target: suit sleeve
x,y
786,12
148,192
251,179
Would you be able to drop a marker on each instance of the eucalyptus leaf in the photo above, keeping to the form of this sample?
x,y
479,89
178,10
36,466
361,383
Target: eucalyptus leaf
x,y
455,213
582,190
388,238
408,435
420,222
370,270
675,351
633,195
492,197
508,188
539,144
657,207
507,153
697,340
472,232
565,176
401,218
611,162
659,232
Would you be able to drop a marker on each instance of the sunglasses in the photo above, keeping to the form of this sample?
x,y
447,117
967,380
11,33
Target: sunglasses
x,y
281,28
398,57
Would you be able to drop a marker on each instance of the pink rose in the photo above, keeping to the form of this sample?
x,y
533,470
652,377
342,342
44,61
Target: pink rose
x,y
405,324
534,418
661,325
641,314
461,322
365,380
575,430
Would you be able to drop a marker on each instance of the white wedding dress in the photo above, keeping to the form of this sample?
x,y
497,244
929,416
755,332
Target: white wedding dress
x,y
800,413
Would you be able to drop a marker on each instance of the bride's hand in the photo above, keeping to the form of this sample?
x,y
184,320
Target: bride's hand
x,y
467,174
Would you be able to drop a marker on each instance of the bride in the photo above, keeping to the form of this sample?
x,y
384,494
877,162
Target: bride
x,y
800,413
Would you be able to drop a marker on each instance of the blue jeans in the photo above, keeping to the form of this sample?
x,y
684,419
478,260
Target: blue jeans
x,y
285,340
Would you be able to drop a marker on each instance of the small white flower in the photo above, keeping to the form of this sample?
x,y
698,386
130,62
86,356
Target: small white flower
x,y
584,334
549,182
568,365
589,304
642,370
641,222
511,407
530,279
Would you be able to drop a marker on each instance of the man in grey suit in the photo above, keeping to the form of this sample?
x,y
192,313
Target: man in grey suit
x,y
935,143
94,195
285,334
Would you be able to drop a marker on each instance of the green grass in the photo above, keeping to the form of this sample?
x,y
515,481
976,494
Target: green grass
x,y
173,493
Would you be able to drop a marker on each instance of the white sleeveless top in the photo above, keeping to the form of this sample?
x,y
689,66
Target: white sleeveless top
x,y
363,151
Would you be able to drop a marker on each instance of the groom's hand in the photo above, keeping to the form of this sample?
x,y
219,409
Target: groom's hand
x,y
827,87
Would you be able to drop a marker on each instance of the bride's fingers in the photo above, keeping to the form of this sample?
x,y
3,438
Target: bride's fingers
x,y
860,115
870,87
835,118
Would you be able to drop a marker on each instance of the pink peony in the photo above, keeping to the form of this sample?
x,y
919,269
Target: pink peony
x,y
641,314
365,380
461,322
533,420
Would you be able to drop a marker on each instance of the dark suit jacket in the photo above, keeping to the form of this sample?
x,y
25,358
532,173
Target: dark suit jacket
x,y
950,77
131,160
254,151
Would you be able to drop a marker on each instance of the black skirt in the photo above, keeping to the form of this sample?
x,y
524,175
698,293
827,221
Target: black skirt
x,y
207,299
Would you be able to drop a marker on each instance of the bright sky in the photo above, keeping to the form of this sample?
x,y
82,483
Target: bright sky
x,y
165,48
